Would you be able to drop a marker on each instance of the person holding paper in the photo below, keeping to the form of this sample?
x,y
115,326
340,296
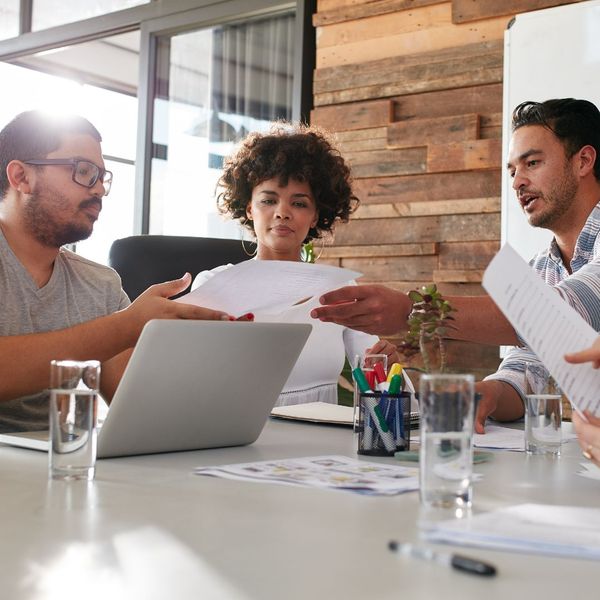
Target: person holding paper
x,y
288,187
55,303
555,167
588,433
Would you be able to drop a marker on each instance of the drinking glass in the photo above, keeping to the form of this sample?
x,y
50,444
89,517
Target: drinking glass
x,y
74,388
543,411
446,440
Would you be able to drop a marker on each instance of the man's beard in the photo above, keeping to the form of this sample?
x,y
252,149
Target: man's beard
x,y
559,200
39,216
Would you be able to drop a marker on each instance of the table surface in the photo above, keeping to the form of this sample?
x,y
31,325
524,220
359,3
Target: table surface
x,y
147,527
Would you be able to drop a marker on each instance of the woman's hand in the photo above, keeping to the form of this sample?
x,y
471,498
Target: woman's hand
x,y
591,354
588,435
387,348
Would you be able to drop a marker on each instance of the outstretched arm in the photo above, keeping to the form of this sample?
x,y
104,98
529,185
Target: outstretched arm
x,y
25,359
381,310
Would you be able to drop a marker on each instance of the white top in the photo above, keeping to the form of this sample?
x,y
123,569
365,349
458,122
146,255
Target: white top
x,y
315,376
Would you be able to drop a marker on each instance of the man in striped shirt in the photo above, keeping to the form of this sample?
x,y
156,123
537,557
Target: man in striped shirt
x,y
554,162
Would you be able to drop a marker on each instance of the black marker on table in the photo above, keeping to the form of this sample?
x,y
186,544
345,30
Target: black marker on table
x,y
456,561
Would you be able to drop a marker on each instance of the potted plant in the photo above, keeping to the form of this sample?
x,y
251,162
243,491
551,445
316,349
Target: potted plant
x,y
428,324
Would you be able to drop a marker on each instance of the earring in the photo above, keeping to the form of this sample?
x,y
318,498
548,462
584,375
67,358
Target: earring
x,y
307,253
250,254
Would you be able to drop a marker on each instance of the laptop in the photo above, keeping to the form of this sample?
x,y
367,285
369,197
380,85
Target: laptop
x,y
191,385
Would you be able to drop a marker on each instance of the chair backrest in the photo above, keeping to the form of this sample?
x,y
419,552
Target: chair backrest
x,y
142,260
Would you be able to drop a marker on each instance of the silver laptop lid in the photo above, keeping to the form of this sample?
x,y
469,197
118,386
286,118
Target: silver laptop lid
x,y
194,384
199,384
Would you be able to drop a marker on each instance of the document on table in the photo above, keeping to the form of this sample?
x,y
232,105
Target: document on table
x,y
259,285
506,438
569,531
325,472
549,325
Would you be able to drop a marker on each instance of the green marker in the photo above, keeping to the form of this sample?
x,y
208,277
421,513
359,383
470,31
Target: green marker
x,y
361,380
395,384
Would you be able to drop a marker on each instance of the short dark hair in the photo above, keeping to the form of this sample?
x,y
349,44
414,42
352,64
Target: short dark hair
x,y
34,134
287,152
576,123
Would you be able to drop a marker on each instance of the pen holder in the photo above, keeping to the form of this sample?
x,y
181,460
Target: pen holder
x,y
383,423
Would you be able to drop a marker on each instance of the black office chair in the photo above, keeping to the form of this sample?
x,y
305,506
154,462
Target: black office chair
x,y
142,260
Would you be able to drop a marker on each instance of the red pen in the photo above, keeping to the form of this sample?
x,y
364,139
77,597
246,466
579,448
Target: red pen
x,y
379,372
370,377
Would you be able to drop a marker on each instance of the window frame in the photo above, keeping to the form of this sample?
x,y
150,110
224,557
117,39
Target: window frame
x,y
156,19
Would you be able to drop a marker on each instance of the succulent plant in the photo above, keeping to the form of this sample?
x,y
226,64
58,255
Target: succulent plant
x,y
428,323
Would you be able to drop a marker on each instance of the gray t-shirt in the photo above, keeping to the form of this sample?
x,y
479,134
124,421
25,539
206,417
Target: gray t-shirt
x,y
79,290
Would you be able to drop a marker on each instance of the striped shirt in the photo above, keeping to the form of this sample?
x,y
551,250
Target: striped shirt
x,y
581,289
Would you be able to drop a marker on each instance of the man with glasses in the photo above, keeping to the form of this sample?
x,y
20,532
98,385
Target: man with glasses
x,y
56,304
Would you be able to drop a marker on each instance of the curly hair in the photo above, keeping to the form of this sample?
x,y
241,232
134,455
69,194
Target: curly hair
x,y
287,151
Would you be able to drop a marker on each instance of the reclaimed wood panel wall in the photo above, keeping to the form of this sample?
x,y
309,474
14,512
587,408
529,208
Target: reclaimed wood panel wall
x,y
413,91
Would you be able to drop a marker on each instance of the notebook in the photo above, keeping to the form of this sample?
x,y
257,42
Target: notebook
x,y
191,385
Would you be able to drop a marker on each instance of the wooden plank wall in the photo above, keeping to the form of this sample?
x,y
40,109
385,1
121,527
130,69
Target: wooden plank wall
x,y
413,91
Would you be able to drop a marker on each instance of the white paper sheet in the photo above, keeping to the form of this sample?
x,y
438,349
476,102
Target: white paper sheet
x,y
326,472
535,528
589,470
267,285
506,438
549,325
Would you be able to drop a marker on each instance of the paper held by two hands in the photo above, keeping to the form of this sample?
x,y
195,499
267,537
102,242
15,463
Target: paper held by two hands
x,y
267,286
549,325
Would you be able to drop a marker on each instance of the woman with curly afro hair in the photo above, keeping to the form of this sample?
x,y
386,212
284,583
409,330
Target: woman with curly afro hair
x,y
290,186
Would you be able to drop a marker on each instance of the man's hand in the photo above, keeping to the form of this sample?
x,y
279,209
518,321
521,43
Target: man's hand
x,y
154,303
498,399
373,309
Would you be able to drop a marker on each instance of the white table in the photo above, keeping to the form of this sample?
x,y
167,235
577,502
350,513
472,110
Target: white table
x,y
148,524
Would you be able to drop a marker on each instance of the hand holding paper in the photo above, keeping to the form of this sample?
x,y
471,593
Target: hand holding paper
x,y
259,285
531,306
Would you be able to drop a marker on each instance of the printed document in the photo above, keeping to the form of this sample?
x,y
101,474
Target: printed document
x,y
260,285
325,472
549,325
505,438
570,531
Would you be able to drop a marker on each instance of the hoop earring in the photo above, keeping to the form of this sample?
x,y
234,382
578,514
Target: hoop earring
x,y
250,254
307,253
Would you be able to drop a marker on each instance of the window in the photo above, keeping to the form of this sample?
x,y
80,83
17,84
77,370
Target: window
x,y
213,87
49,13
9,18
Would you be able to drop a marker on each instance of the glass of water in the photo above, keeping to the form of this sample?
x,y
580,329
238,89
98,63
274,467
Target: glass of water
x,y
446,440
74,388
543,411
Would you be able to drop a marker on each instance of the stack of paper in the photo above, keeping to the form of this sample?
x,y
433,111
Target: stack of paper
x,y
328,472
535,528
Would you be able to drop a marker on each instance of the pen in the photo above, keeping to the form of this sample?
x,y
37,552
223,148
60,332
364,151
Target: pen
x,y
456,561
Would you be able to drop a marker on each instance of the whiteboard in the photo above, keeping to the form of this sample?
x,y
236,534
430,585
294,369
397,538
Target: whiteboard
x,y
552,53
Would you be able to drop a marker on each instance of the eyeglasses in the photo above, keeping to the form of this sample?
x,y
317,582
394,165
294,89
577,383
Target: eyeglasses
x,y
84,172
